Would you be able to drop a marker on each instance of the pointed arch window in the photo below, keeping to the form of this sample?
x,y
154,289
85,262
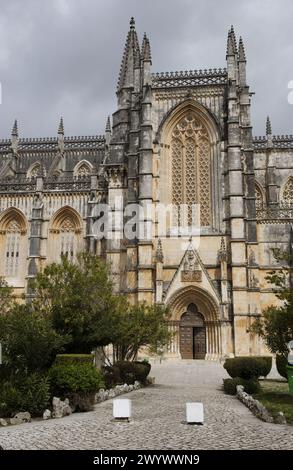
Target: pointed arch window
x,y
12,249
191,174
82,170
34,171
67,239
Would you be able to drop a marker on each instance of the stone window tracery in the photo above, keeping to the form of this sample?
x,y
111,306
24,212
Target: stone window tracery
x,y
13,236
287,198
191,175
67,239
83,170
259,203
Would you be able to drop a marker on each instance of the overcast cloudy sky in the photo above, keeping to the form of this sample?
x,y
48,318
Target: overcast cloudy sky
x,y
62,57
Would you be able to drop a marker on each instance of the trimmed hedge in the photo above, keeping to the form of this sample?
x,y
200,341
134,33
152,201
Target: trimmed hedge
x,y
250,367
281,364
250,386
126,372
76,381
74,358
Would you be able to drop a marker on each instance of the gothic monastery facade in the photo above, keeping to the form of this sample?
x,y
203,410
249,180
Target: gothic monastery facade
x,y
175,138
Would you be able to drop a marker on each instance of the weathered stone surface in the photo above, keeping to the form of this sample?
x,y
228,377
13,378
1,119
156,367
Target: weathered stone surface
x,y
47,414
24,416
16,421
61,408
3,422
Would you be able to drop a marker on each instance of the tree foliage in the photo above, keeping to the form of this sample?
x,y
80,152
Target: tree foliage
x,y
28,339
276,324
138,326
79,298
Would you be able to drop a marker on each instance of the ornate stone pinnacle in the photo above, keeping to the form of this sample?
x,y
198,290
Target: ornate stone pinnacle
x,y
241,51
14,131
268,126
230,47
233,37
146,48
159,252
108,124
222,253
61,127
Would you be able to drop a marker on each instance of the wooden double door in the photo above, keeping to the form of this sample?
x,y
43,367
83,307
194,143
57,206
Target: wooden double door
x,y
192,334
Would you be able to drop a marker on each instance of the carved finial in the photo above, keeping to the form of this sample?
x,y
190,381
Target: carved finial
x,y
241,51
14,131
108,125
61,127
132,23
222,253
268,126
159,252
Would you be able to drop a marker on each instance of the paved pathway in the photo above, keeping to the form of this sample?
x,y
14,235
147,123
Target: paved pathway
x,y
158,413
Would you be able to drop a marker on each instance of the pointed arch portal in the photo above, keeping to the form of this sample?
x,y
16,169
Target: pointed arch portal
x,y
195,324
192,331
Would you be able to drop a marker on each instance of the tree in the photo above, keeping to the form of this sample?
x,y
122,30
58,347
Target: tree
x,y
29,340
276,324
6,296
138,326
79,298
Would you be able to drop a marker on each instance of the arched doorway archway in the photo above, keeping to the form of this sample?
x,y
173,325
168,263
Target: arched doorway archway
x,y
209,314
192,331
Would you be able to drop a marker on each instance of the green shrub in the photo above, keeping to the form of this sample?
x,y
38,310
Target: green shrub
x,y
74,358
111,376
142,370
281,364
250,386
246,367
267,360
74,378
26,393
126,372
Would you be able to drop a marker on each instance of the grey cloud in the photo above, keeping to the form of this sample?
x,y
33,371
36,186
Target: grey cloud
x,y
62,57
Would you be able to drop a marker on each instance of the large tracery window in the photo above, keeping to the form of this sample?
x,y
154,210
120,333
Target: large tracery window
x,y
13,235
287,196
191,175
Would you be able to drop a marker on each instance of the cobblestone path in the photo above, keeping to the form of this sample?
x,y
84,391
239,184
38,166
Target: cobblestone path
x,y
158,415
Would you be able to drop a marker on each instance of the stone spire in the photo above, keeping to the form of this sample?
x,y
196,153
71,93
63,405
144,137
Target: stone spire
x,y
14,137
146,49
230,47
268,126
108,131
233,37
61,135
130,59
241,51
14,131
61,127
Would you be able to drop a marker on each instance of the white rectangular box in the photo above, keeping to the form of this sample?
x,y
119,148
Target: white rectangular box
x,y
122,408
194,413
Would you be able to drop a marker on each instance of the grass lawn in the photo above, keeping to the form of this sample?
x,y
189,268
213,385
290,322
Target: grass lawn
x,y
275,396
